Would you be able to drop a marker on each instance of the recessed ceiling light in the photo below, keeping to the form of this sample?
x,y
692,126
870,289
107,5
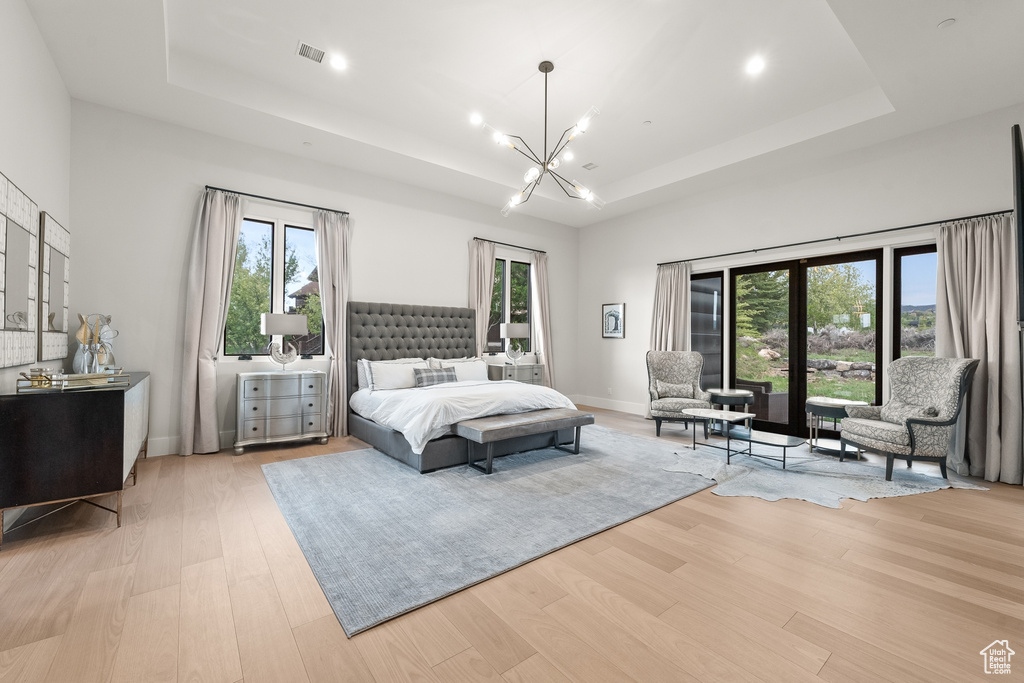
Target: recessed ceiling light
x,y
946,23
338,63
476,119
755,65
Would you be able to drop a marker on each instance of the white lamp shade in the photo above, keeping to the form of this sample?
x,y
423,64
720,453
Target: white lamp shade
x,y
284,323
514,330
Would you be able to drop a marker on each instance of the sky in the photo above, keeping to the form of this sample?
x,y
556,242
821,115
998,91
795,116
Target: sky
x,y
918,279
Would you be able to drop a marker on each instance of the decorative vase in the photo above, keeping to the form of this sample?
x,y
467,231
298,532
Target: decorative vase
x,y
80,363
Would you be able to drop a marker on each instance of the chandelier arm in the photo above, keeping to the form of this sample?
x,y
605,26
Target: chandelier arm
x,y
532,156
533,186
561,145
559,180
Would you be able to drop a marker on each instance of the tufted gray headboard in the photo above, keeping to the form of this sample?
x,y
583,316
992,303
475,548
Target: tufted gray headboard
x,y
389,331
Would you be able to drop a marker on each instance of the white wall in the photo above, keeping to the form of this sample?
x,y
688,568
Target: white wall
x,y
135,183
956,170
35,124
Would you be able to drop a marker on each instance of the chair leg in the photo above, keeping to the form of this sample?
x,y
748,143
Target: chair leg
x,y
910,462
942,469
888,467
842,450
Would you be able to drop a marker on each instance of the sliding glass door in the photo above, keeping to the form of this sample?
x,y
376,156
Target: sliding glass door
x,y
762,321
842,346
804,329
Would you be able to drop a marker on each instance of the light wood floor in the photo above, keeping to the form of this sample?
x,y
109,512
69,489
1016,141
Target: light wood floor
x,y
204,582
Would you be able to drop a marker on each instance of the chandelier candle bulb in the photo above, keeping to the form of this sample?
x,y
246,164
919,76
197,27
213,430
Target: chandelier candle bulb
x,y
584,122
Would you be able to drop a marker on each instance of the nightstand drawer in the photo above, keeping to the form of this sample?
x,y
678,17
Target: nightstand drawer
x,y
273,427
275,407
270,388
312,423
312,386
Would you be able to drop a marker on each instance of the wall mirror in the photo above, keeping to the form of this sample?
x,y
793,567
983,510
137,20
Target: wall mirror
x,y
55,269
19,261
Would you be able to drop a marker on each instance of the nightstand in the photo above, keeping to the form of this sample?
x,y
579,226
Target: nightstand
x,y
528,373
274,407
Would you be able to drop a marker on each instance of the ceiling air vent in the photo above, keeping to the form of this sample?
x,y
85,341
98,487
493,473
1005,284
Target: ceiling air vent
x,y
590,167
309,52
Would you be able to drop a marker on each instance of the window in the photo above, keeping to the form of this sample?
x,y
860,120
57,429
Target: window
x,y
510,302
275,272
914,277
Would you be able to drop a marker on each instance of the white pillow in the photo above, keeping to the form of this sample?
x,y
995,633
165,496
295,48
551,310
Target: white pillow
x,y
363,374
469,370
384,375
438,363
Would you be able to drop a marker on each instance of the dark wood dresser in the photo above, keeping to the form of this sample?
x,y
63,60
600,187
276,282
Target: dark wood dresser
x,y
72,445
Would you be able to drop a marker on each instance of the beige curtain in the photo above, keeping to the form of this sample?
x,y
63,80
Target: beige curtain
x,y
976,318
670,322
542,317
211,267
333,237
481,287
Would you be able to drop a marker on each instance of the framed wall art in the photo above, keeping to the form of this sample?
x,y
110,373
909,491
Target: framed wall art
x,y
613,321
55,269
19,273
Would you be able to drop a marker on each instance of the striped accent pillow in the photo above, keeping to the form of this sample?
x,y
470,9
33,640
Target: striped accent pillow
x,y
426,377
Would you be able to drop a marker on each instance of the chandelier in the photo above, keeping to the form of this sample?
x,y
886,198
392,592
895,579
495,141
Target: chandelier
x,y
547,164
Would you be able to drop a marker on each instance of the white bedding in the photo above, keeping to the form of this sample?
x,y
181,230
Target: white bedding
x,y
427,413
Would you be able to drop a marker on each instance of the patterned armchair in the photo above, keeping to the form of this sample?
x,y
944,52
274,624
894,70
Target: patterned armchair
x,y
926,397
674,385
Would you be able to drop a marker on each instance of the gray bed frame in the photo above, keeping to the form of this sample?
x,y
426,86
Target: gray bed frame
x,y
388,331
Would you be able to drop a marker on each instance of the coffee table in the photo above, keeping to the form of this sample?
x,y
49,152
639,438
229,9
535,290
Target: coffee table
x,y
820,408
752,437
706,415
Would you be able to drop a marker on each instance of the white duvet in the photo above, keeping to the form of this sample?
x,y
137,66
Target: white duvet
x,y
427,413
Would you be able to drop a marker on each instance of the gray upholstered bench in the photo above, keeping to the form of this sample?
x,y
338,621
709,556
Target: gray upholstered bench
x,y
487,430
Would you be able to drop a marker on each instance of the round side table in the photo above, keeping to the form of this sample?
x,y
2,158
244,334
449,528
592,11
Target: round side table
x,y
731,397
826,408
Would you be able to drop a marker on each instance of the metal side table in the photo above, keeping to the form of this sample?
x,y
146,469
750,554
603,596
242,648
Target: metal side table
x,y
820,408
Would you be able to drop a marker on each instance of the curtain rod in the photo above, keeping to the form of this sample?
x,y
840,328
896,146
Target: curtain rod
x,y
838,238
506,244
279,201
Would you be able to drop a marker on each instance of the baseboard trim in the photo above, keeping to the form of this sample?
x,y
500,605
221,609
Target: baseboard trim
x,y
609,404
164,445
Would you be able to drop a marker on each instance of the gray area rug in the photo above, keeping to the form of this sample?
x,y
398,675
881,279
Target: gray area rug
x,y
383,539
820,479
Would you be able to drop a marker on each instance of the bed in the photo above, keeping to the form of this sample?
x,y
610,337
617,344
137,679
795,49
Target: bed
x,y
378,331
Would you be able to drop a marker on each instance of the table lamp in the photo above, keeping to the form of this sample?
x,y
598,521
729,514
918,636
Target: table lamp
x,y
281,324
513,331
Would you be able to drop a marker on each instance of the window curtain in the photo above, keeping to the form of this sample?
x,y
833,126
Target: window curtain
x,y
975,318
542,319
333,237
670,323
481,287
211,267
